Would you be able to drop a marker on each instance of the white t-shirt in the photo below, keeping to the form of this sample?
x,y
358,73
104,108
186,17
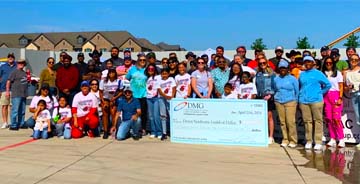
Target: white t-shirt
x,y
247,90
166,85
334,81
151,90
235,82
182,85
84,103
41,120
49,104
97,95
232,95
353,77
63,112
109,88
104,74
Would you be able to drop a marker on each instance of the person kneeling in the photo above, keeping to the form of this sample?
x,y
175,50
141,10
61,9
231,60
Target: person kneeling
x,y
84,110
42,117
130,110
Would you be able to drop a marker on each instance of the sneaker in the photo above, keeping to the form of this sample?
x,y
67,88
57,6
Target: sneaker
x,y
159,137
308,146
135,138
105,135
14,128
341,143
23,127
5,125
292,145
163,137
271,140
90,134
61,137
331,143
284,145
318,147
152,136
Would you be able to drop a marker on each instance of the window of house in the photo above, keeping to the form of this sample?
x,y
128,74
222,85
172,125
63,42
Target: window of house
x,y
23,41
129,42
88,50
80,40
63,43
103,49
98,37
132,49
63,50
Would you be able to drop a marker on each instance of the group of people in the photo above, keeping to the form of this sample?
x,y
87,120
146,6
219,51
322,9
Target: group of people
x,y
125,97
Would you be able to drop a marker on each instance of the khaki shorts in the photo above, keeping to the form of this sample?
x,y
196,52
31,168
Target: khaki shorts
x,y
4,100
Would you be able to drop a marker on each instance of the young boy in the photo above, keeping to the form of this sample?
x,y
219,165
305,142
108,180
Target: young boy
x,y
228,94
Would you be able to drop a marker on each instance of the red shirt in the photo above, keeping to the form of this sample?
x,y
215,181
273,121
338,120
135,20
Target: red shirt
x,y
67,78
254,64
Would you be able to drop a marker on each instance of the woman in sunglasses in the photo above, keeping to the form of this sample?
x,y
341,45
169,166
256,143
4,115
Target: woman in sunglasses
x,y
333,103
48,75
265,87
201,81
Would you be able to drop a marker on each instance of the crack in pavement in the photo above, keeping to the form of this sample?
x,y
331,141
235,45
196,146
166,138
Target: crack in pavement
x,y
73,163
295,166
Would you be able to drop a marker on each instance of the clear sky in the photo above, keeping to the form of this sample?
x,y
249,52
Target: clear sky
x,y
195,25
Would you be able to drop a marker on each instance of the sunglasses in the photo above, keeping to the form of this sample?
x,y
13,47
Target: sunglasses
x,y
200,63
328,63
151,69
354,59
221,61
164,62
142,59
262,63
93,84
127,92
241,51
51,63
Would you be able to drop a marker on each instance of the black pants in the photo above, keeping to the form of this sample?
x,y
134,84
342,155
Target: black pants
x,y
144,113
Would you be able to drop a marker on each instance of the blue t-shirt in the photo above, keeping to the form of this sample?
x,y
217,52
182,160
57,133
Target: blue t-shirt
x,y
5,71
137,79
128,109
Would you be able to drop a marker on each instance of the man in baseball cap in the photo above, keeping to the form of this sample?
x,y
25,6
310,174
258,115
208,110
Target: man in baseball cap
x,y
279,51
340,64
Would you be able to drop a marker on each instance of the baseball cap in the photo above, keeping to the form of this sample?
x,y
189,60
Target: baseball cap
x,y
335,52
324,48
283,64
45,86
279,48
151,55
127,50
127,88
308,58
11,55
81,54
85,83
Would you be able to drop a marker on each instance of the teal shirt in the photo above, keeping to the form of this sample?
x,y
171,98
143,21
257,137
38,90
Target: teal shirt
x,y
220,78
137,79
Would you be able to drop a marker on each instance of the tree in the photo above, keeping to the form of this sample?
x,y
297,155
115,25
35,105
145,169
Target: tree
x,y
258,45
303,43
352,41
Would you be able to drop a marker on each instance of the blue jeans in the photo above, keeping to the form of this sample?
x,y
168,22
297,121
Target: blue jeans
x,y
30,122
125,126
17,112
355,99
203,91
63,130
164,110
41,134
154,116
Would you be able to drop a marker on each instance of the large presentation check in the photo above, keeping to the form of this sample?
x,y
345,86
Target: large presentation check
x,y
219,121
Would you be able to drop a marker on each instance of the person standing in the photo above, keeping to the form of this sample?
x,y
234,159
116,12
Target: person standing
x,y
286,97
116,60
313,85
61,61
220,76
333,104
279,51
201,81
67,78
352,78
17,83
48,75
136,76
5,71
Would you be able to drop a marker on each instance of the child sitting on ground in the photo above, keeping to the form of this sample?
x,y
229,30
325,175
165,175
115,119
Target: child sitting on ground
x,y
42,117
62,116
228,93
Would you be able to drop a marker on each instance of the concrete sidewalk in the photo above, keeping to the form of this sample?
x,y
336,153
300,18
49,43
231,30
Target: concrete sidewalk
x,y
95,160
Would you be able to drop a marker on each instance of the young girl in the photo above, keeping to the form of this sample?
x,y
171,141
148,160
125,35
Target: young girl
x,y
235,76
247,89
110,91
61,117
166,87
183,82
42,117
152,101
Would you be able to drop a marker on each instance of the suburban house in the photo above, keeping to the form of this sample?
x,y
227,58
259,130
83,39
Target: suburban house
x,y
82,41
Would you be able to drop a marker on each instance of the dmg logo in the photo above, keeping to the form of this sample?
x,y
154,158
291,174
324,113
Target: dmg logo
x,y
189,105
